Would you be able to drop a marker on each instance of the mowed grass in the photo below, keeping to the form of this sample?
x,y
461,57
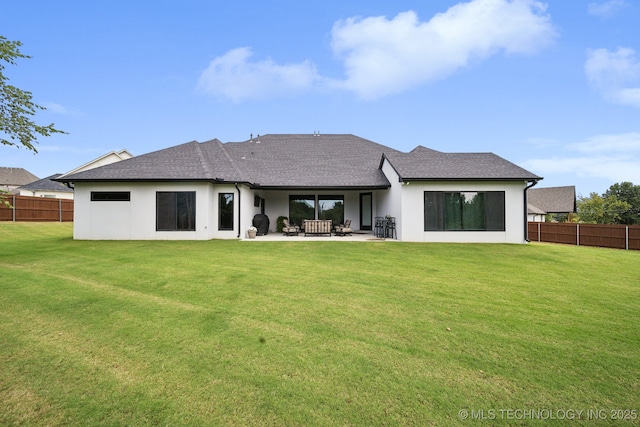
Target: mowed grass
x,y
312,333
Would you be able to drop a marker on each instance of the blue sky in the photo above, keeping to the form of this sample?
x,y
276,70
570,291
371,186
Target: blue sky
x,y
552,86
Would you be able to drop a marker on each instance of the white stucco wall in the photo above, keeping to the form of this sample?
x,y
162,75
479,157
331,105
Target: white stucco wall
x,y
412,220
389,202
136,219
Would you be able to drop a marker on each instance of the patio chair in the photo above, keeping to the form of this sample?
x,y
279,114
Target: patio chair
x,y
344,229
379,230
290,230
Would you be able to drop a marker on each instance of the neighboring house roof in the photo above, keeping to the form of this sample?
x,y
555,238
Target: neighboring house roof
x,y
533,210
301,161
553,199
16,177
105,159
47,184
426,164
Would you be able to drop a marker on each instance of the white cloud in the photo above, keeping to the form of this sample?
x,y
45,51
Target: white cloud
x,y
385,56
614,157
616,74
606,9
234,76
68,149
624,143
55,108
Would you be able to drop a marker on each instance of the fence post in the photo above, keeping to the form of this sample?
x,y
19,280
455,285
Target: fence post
x,y
13,205
60,209
626,237
578,234
538,232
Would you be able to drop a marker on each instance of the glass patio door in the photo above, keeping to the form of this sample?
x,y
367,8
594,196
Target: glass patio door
x,y
366,200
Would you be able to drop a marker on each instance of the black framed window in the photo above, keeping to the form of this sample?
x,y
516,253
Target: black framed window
x,y
464,211
301,208
331,207
110,196
225,211
175,211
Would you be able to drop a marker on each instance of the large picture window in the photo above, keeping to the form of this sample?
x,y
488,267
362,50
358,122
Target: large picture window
x,y
331,207
301,208
225,211
464,211
176,211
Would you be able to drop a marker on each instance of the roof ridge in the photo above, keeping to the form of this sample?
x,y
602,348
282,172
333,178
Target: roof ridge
x,y
203,162
232,162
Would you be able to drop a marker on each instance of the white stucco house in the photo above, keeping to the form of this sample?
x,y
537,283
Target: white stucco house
x,y
213,190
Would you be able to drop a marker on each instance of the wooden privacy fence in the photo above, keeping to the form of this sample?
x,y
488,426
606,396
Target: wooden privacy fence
x,y
603,235
26,208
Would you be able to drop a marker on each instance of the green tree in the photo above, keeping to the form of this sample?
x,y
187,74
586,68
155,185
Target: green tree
x,y
627,192
16,105
596,209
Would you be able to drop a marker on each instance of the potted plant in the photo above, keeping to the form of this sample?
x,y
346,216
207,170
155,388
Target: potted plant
x,y
251,232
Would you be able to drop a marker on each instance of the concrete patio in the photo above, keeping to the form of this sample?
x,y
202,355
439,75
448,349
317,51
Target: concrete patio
x,y
359,236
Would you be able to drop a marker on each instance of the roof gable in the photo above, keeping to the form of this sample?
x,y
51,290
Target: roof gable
x,y
105,159
426,164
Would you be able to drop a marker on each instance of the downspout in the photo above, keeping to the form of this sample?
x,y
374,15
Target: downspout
x,y
526,211
239,203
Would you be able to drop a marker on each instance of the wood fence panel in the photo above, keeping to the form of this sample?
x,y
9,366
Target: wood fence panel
x,y
26,208
558,233
608,236
601,235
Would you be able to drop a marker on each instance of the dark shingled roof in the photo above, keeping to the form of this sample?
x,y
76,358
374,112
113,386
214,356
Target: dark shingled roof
x,y
300,161
425,164
47,184
553,199
190,161
16,176
310,161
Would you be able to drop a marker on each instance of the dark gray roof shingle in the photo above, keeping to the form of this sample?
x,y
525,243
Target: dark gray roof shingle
x,y
189,161
47,184
553,199
425,164
310,161
301,161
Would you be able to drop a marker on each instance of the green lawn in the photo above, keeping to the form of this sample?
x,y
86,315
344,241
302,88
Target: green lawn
x,y
314,333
